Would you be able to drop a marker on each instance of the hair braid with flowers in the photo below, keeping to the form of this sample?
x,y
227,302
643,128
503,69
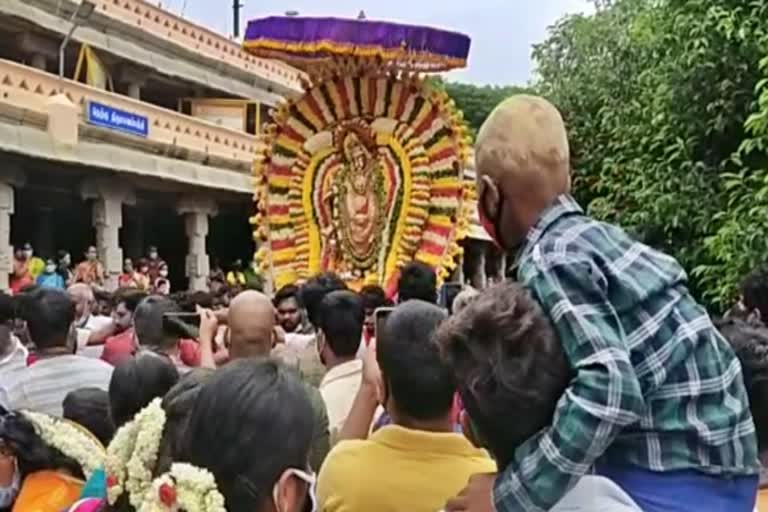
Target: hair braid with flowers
x,y
131,460
70,439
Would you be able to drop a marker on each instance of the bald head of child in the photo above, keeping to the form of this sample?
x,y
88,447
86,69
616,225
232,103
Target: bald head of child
x,y
522,160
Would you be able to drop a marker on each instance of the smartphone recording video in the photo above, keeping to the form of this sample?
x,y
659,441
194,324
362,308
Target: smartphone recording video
x,y
181,325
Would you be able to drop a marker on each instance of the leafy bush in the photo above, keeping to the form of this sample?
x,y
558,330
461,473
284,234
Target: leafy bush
x,y
669,135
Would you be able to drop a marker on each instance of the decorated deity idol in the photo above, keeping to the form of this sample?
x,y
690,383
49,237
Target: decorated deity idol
x,y
357,202
364,172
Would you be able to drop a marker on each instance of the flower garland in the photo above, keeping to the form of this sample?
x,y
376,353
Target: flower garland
x,y
132,455
423,141
184,487
70,440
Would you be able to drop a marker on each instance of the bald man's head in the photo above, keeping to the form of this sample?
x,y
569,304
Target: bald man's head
x,y
82,296
251,320
522,160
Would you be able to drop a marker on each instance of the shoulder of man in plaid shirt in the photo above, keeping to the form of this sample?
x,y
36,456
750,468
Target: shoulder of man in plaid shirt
x,y
657,387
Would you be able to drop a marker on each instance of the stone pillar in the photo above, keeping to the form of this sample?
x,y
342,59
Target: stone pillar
x,y
133,78
108,219
108,200
39,61
503,265
11,177
134,90
196,212
478,277
6,249
458,274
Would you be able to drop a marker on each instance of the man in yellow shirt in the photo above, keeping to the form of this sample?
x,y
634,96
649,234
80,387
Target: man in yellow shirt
x,y
417,463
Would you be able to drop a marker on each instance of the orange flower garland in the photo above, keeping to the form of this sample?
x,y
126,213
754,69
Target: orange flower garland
x,y
408,148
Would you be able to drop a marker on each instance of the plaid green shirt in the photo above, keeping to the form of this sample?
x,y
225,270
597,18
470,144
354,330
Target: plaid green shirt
x,y
656,386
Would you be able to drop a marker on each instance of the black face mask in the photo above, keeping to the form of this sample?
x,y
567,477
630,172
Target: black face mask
x,y
492,226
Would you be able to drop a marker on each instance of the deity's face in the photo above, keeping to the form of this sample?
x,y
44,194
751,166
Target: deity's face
x,y
356,154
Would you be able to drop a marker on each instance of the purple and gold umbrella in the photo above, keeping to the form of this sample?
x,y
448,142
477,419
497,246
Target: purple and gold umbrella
x,y
306,42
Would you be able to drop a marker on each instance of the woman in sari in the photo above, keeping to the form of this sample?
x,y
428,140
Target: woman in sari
x,y
167,418
226,470
44,461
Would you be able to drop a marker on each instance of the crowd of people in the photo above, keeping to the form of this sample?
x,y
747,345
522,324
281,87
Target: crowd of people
x,y
149,274
590,381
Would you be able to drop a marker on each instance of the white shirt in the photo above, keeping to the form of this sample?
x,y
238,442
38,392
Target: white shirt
x,y
11,366
338,389
43,386
298,341
94,323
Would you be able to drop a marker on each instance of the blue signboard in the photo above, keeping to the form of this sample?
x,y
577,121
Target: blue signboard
x,y
115,119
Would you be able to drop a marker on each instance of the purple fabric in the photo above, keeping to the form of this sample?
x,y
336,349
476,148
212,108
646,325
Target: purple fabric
x,y
290,29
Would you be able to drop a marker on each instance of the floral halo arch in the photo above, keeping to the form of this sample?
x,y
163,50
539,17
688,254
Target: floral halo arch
x,y
421,146
130,462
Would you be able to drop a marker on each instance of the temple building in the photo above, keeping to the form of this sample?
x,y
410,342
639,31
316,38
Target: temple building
x,y
125,126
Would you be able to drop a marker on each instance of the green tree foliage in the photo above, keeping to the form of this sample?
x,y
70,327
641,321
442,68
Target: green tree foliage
x,y
669,138
477,102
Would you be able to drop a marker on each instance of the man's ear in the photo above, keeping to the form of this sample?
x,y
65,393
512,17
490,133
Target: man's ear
x,y
287,493
488,196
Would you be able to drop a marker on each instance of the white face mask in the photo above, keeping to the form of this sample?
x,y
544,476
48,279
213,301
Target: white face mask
x,y
50,269
309,478
164,273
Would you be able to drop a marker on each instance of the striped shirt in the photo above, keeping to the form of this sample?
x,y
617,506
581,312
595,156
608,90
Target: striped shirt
x,y
656,386
43,386
11,366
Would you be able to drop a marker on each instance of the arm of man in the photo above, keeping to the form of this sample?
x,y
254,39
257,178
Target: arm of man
x,y
321,436
100,335
603,398
361,415
209,326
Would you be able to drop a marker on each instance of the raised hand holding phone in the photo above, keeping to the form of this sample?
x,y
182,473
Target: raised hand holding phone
x,y
209,325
